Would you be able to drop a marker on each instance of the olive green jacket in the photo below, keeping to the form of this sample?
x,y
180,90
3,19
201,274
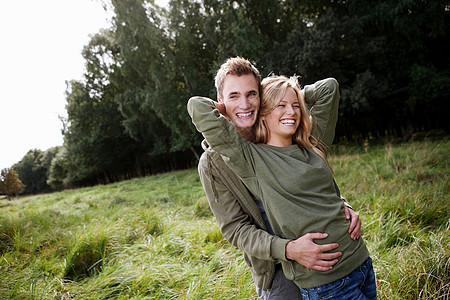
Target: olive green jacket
x,y
239,218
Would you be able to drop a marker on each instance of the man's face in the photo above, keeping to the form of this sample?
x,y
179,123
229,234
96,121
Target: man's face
x,y
241,100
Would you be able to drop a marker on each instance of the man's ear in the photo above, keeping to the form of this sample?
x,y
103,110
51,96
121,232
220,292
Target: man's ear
x,y
219,99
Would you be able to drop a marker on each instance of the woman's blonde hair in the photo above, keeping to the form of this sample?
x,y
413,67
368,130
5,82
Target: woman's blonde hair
x,y
273,91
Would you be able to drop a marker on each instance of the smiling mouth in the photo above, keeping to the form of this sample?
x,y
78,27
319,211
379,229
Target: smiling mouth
x,y
244,115
287,122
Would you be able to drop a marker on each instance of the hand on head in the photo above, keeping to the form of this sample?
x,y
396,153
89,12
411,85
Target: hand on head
x,y
221,107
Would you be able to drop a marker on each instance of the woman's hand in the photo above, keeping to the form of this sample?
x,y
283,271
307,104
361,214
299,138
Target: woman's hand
x,y
221,107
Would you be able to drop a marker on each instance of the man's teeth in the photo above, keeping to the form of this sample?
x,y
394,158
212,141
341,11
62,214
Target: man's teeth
x,y
287,122
245,114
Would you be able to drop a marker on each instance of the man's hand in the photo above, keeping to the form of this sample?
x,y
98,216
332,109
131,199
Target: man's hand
x,y
311,255
355,223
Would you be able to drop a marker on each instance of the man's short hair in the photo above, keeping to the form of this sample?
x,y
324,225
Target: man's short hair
x,y
237,66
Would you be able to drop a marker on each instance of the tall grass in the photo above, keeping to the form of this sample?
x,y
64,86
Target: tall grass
x,y
402,192
155,237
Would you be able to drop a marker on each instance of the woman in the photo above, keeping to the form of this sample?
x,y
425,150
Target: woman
x,y
294,207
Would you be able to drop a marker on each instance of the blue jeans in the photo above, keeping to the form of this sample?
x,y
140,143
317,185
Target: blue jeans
x,y
359,284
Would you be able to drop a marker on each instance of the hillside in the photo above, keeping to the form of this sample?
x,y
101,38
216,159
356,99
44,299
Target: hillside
x,y
155,237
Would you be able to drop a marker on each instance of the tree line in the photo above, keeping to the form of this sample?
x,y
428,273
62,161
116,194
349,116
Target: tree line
x,y
128,117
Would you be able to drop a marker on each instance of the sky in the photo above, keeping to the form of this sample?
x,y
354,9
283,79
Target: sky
x,y
41,44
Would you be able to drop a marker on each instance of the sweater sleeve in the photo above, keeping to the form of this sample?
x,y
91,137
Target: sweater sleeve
x,y
221,135
324,98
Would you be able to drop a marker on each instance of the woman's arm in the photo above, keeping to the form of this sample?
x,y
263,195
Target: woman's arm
x,y
324,98
221,135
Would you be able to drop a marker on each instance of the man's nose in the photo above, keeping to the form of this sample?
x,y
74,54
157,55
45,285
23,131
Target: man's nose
x,y
245,102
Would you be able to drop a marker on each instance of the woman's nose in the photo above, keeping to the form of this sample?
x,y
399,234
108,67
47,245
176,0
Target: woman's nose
x,y
290,110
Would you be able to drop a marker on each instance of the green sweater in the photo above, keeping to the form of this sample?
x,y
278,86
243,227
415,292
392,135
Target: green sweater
x,y
294,206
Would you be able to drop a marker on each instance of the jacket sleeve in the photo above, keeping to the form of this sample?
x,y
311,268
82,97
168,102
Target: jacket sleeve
x,y
221,135
235,222
324,98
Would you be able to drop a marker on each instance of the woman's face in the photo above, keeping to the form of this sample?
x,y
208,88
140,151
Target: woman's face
x,y
283,121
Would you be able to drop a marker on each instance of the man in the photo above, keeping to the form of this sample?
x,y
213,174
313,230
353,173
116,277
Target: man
x,y
240,215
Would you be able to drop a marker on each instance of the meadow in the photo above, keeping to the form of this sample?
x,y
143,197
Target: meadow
x,y
155,237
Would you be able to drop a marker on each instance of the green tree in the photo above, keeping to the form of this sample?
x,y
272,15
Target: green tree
x,y
10,183
96,144
100,145
377,51
96,148
33,172
58,170
138,44
128,115
34,168
48,157
155,78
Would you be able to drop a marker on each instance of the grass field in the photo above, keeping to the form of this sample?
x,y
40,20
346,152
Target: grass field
x,y
155,237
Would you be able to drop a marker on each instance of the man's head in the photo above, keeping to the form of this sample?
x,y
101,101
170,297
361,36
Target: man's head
x,y
238,85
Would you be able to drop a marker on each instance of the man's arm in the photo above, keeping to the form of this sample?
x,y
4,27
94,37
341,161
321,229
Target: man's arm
x,y
235,221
